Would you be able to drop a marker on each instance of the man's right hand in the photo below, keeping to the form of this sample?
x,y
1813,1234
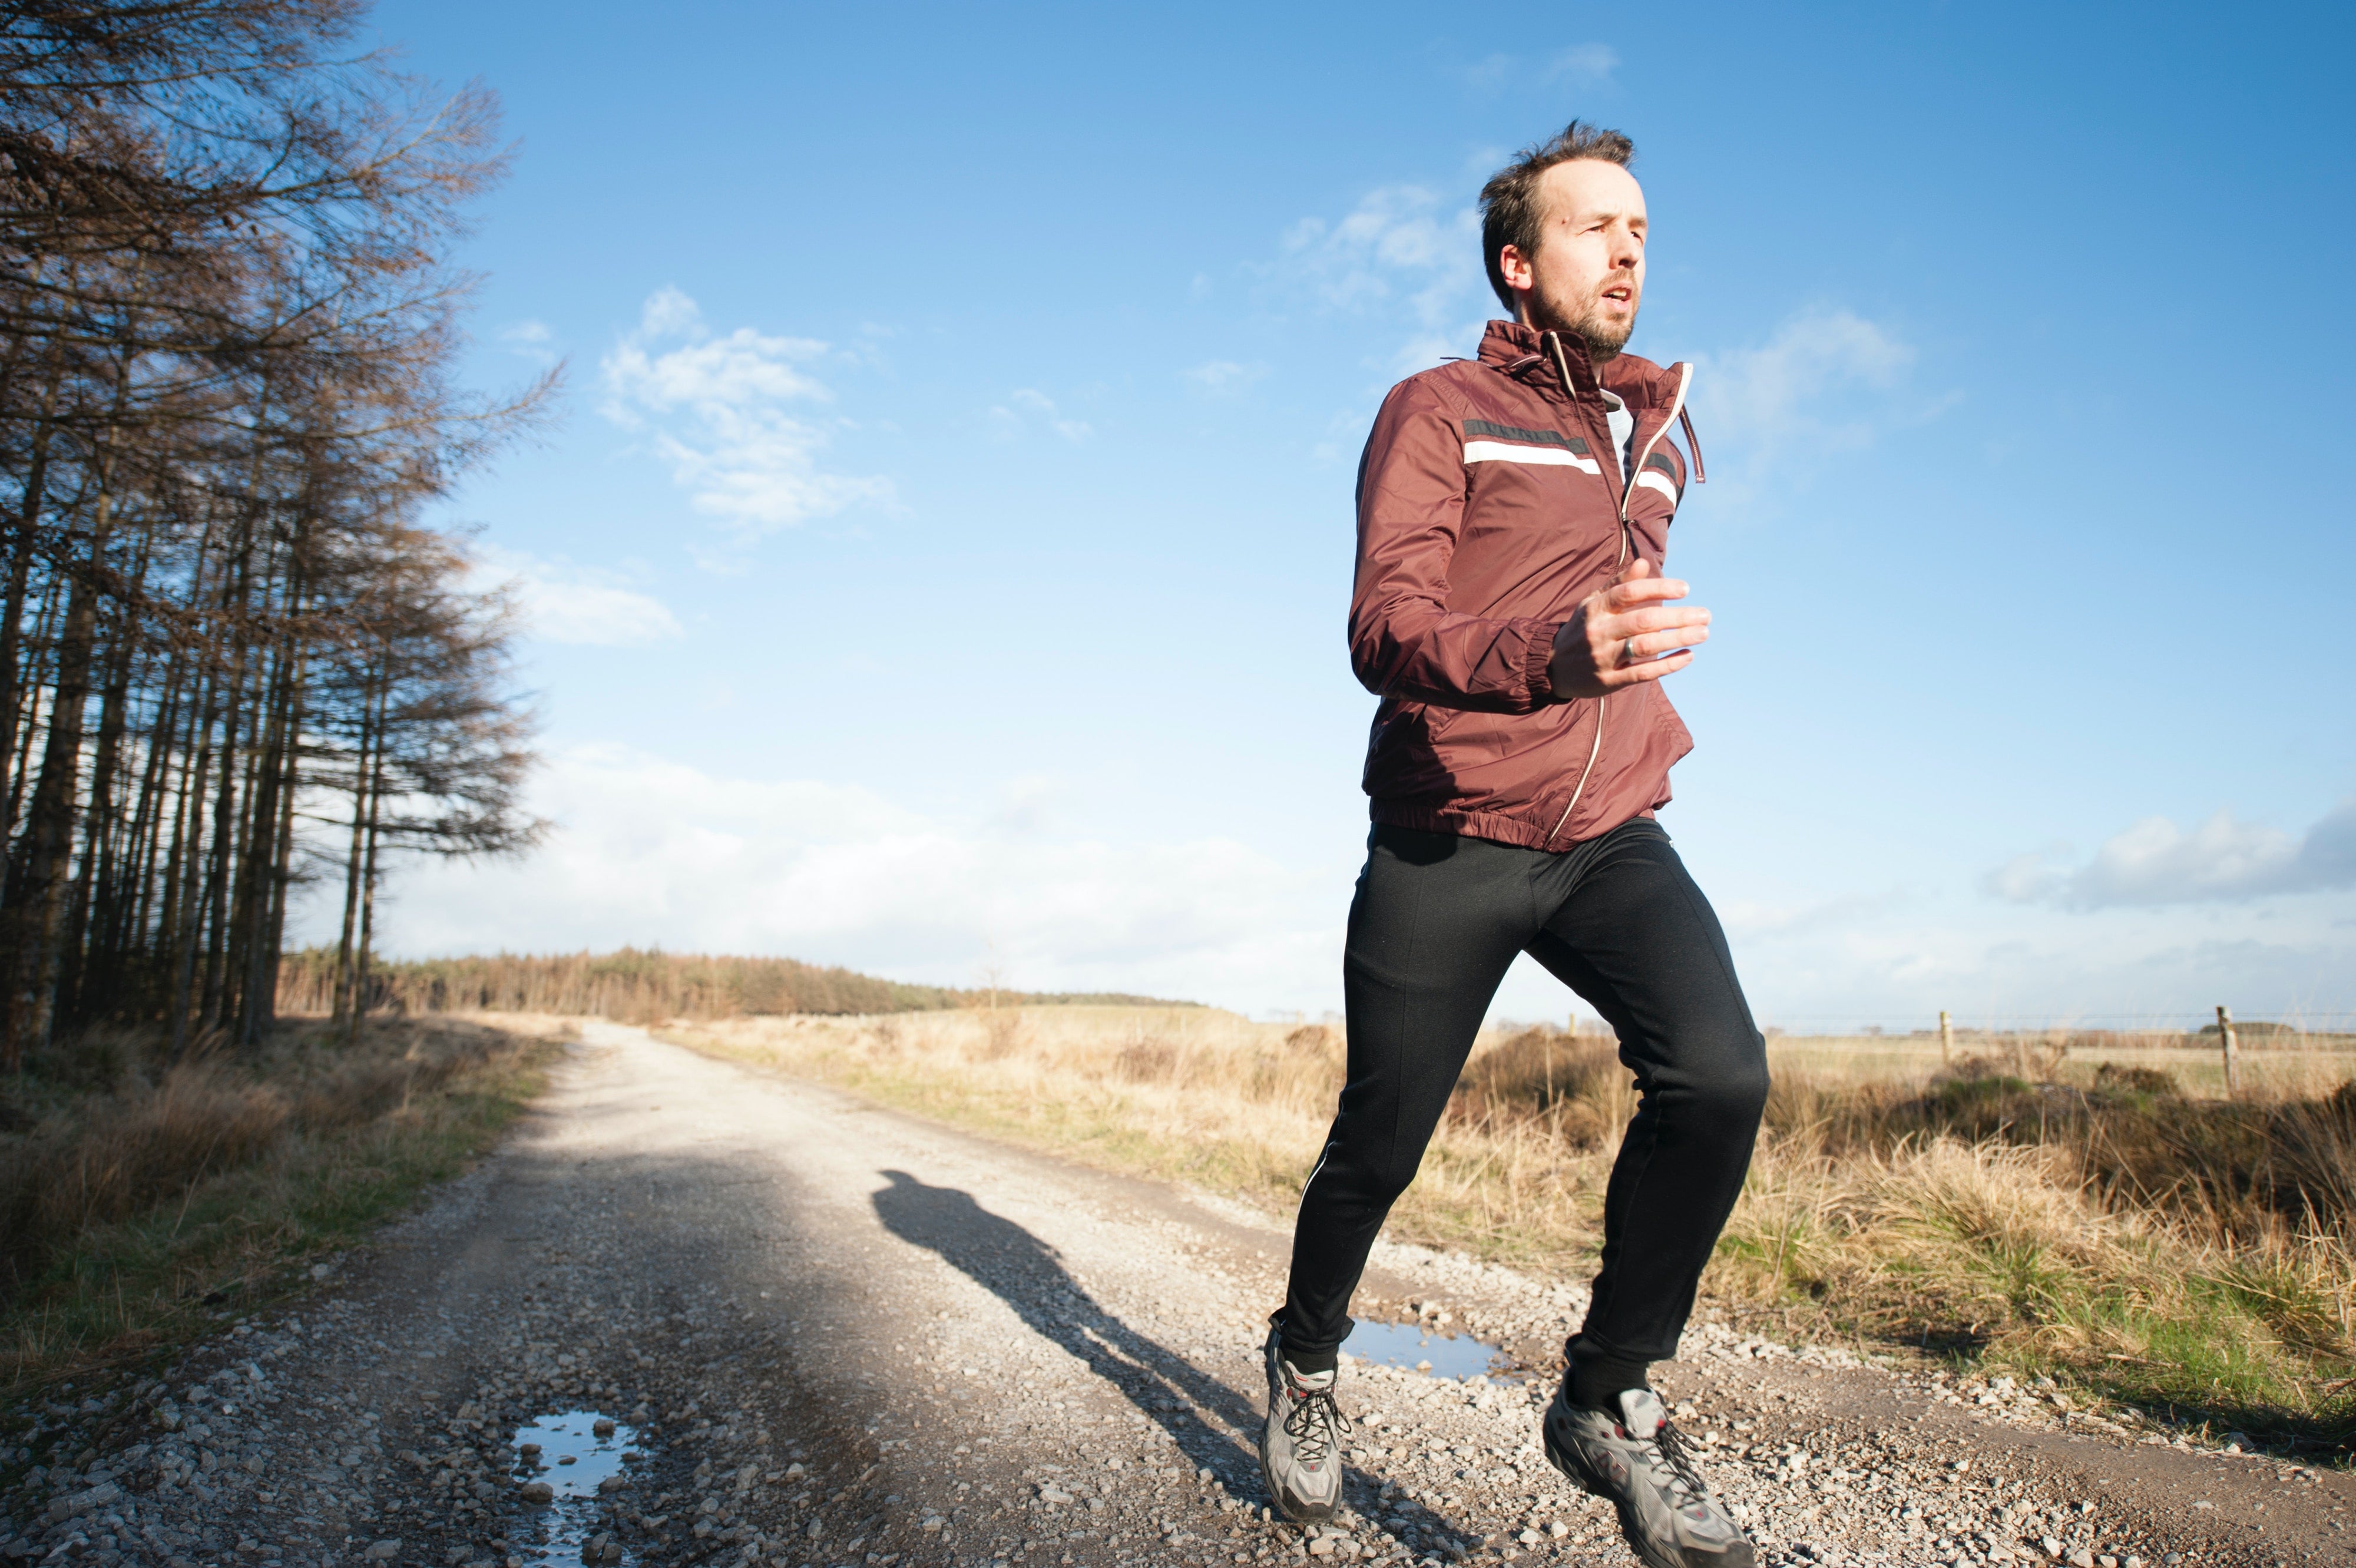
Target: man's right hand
x,y
1619,635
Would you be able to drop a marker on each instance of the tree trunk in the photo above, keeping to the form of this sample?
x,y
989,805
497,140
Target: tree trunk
x,y
354,856
125,930
263,858
180,916
36,899
22,549
43,660
99,834
368,894
282,874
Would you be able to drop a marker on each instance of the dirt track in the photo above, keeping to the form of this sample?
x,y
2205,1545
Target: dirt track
x,y
833,1334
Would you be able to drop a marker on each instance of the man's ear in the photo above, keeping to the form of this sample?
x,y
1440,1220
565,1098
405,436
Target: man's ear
x,y
1515,268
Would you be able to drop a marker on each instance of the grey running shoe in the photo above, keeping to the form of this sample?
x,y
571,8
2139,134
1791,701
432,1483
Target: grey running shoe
x,y
1639,1463
1301,1447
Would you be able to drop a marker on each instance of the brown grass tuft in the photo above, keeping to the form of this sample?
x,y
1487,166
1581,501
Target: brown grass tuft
x,y
135,1191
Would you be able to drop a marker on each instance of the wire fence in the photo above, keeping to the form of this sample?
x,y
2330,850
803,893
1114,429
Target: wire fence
x,y
2252,1029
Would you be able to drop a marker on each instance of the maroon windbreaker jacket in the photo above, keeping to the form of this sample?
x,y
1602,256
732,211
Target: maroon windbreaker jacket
x,y
1489,506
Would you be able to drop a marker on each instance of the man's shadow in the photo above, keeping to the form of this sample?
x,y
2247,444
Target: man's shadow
x,y
1029,1276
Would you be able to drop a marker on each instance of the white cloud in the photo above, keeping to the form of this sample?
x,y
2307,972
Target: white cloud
x,y
1587,62
1219,376
1401,252
1748,918
1782,390
565,603
1898,957
655,853
1592,64
1489,70
1035,404
2023,879
1827,382
714,407
652,852
2222,860
2011,966
1394,232
529,340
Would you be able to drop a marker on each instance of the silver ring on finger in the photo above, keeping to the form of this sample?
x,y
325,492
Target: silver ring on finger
x,y
1628,651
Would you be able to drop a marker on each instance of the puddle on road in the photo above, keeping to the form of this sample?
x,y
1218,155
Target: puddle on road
x,y
571,1459
1420,1349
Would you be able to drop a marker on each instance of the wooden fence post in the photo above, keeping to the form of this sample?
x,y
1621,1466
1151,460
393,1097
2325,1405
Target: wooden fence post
x,y
2226,1043
1946,1040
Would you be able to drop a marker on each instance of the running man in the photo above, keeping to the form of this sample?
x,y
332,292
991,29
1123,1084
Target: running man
x,y
1511,613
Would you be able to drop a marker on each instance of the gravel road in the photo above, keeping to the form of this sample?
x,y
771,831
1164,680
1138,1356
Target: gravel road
x,y
748,1319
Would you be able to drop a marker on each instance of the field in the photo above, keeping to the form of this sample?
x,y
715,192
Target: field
x,y
2105,1214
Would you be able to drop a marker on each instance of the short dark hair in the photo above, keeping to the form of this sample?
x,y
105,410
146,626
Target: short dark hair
x,y
1510,209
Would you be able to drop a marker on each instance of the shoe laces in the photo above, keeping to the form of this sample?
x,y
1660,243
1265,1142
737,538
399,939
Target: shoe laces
x,y
1314,1422
1675,1450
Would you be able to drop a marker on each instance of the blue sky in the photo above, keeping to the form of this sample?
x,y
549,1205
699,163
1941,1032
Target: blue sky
x,y
941,562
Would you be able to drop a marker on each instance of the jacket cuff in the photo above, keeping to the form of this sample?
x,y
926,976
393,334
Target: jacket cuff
x,y
1535,662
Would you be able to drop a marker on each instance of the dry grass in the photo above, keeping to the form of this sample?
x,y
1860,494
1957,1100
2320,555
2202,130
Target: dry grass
x,y
2290,1065
1192,1094
632,986
2089,1219
140,1201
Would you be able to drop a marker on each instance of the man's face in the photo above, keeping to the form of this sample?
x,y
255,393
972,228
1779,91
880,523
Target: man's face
x,y
1588,275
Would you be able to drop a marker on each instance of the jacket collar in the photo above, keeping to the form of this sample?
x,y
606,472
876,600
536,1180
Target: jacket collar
x,y
1523,352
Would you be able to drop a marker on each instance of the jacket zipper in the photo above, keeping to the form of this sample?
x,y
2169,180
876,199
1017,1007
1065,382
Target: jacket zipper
x,y
1627,488
1677,411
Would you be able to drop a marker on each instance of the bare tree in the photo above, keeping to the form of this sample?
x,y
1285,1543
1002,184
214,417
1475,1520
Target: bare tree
x,y
229,319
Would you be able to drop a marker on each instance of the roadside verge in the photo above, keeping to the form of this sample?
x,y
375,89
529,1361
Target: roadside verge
x,y
146,1203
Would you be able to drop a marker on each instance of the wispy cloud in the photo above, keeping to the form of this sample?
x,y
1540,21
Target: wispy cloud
x,y
2222,860
1827,382
1781,389
1747,919
714,406
1403,253
1489,70
529,340
1587,62
1026,406
565,603
1221,376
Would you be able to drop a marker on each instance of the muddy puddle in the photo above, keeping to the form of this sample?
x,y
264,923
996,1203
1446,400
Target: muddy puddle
x,y
1423,1349
571,1453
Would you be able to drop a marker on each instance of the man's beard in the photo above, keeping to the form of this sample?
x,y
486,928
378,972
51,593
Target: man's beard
x,y
1604,338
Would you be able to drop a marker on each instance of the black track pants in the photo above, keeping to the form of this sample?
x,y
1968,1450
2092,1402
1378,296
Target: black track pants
x,y
1436,922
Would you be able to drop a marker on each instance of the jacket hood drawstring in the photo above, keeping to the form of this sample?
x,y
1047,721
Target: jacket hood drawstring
x,y
1562,365
1693,445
